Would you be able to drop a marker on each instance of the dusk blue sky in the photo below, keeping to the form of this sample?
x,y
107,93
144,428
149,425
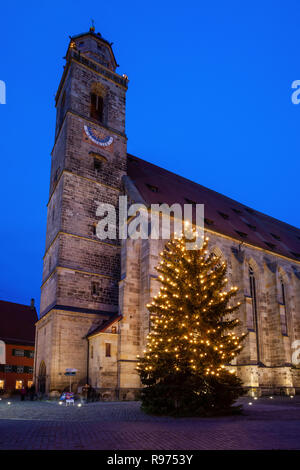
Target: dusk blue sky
x,y
209,98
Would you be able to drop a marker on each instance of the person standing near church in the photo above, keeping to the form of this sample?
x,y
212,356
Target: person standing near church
x,y
32,392
23,393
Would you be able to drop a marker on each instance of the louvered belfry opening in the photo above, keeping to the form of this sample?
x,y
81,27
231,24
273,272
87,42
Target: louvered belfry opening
x,y
97,107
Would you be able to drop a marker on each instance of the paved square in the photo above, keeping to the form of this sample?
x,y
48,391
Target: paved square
x,y
266,424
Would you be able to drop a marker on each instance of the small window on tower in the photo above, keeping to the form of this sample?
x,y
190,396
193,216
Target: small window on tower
x,y
97,165
107,350
97,107
95,288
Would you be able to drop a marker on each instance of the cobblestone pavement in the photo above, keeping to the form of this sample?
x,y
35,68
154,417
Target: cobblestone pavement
x,y
266,424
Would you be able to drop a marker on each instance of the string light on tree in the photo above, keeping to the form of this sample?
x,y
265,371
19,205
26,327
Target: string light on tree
x,y
192,341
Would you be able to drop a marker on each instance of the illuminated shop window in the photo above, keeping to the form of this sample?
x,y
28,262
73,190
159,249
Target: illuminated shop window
x,y
19,384
1,384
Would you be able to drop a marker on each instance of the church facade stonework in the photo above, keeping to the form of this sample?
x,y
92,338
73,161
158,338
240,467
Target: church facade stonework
x,y
93,314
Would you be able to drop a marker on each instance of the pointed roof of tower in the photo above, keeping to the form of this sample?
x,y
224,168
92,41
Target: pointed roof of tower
x,y
97,36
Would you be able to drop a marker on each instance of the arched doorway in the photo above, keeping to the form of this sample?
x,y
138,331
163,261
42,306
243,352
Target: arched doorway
x,y
42,378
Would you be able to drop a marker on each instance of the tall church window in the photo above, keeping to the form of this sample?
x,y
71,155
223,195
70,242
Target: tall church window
x,y
95,288
97,107
283,311
253,297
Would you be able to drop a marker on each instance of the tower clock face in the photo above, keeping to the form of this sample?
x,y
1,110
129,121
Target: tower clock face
x,y
97,137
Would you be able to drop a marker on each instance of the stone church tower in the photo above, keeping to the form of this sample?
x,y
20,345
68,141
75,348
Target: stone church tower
x,y
81,273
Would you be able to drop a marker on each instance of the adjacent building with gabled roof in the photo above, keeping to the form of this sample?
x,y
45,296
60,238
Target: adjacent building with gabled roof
x,y
17,337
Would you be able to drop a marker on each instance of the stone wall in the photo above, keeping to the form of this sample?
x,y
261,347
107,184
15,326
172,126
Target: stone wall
x,y
61,343
273,371
103,370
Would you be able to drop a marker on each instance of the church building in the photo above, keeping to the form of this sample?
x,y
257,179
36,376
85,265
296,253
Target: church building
x,y
94,294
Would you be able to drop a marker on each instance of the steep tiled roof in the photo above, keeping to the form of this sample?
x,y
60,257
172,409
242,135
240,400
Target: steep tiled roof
x,y
17,323
222,214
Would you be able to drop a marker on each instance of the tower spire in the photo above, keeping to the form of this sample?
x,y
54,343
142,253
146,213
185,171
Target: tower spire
x,y
92,28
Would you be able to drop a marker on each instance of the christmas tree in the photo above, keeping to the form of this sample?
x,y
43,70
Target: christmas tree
x,y
184,369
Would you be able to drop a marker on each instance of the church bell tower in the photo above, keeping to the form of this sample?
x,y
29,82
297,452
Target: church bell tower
x,y
88,160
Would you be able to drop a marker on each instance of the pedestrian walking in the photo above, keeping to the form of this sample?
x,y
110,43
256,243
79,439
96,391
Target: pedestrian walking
x,y
32,392
23,393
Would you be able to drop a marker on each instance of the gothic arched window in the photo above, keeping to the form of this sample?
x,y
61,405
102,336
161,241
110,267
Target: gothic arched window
x,y
253,296
283,312
254,316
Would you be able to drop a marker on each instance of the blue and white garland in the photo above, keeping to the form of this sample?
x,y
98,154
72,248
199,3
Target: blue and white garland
x,y
102,142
